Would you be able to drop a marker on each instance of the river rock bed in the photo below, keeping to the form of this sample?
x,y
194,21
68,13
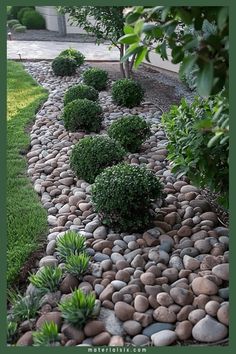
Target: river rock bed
x,y
160,287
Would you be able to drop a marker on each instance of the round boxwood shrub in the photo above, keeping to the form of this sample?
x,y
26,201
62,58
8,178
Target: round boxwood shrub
x,y
14,10
94,153
80,91
75,54
127,92
33,20
12,23
21,12
14,27
96,78
122,195
20,29
64,66
130,131
82,114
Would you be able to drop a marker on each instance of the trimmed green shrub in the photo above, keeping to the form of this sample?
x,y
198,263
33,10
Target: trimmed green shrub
x,y
78,308
33,20
47,279
20,14
130,131
96,78
122,196
20,29
64,66
16,25
74,54
189,130
82,114
46,335
77,264
71,243
80,91
13,22
14,10
92,154
127,92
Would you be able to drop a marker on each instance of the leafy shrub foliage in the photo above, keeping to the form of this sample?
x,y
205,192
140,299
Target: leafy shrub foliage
x,y
80,91
96,78
127,92
13,22
122,196
77,309
77,264
20,29
33,20
24,307
74,54
189,130
64,66
47,279
11,331
20,14
82,114
15,26
92,154
70,244
14,10
47,335
130,131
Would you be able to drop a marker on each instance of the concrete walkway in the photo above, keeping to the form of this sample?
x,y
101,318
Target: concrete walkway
x,y
49,50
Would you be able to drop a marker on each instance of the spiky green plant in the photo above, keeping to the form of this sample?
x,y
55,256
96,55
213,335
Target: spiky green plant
x,y
71,243
24,307
11,331
47,335
77,264
77,309
47,279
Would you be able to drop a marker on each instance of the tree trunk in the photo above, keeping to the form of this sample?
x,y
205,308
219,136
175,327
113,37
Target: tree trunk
x,y
127,65
121,64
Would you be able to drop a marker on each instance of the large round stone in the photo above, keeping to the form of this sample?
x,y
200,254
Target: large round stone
x,y
209,330
205,286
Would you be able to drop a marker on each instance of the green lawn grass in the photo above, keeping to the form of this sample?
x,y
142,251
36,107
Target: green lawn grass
x,y
26,218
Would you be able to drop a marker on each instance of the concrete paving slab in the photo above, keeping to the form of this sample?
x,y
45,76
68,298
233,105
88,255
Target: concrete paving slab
x,y
49,50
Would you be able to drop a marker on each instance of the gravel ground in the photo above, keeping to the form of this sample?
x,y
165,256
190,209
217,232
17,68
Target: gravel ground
x,y
164,286
45,35
163,89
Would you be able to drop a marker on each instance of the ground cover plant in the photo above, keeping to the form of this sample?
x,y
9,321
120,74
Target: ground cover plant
x,y
23,232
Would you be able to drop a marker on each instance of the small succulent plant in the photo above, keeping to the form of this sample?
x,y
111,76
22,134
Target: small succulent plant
x,y
71,243
47,335
47,279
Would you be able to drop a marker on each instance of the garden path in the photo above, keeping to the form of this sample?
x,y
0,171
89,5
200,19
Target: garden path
x,y
32,50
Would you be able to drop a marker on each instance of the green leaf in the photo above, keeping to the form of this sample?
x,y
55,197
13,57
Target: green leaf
x,y
205,79
187,65
133,49
138,27
128,29
184,15
161,49
214,139
148,27
177,55
129,39
133,17
140,56
222,18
